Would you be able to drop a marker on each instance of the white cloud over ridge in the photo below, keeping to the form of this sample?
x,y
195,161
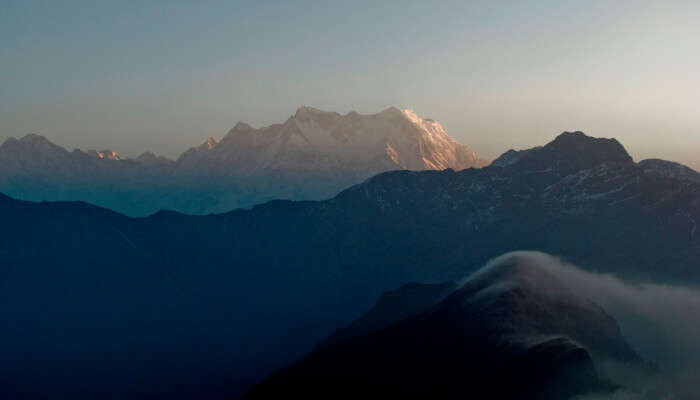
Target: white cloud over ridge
x,y
660,322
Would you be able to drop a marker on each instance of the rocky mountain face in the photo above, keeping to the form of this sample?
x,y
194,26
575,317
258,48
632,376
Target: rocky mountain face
x,y
669,169
312,155
237,295
513,330
320,142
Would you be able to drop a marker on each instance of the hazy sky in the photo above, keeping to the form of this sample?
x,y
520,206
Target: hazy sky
x,y
164,75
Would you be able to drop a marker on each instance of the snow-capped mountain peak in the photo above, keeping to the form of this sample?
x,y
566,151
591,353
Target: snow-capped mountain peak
x,y
325,142
105,154
209,143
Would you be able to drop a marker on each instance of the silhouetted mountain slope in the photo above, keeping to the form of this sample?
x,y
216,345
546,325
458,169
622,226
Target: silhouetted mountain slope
x,y
512,330
573,151
312,155
410,299
243,292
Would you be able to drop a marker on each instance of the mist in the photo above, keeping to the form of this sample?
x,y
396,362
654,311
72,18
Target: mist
x,y
660,322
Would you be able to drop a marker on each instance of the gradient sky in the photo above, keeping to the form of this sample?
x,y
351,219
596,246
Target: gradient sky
x,y
164,75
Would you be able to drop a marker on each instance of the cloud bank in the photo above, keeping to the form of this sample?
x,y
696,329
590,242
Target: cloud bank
x,y
660,322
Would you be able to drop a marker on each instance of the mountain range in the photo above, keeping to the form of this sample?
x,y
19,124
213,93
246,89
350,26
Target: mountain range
x,y
94,302
312,155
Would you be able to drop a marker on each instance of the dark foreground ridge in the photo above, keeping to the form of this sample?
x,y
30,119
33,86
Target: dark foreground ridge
x,y
512,330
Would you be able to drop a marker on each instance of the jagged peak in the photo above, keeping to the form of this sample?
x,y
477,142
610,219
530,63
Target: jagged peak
x,y
208,144
409,112
105,154
241,126
391,111
307,110
418,120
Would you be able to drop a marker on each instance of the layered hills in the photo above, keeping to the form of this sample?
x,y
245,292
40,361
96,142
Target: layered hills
x,y
93,301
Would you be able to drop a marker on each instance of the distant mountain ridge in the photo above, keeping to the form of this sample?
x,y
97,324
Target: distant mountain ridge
x,y
312,155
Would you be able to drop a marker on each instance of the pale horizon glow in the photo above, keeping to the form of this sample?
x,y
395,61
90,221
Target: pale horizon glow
x,y
164,76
